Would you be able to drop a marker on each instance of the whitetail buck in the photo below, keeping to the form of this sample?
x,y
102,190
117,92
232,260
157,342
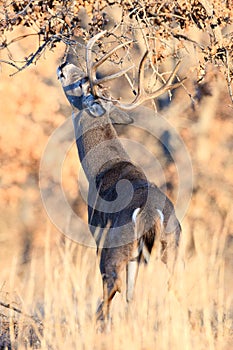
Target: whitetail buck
x,y
126,213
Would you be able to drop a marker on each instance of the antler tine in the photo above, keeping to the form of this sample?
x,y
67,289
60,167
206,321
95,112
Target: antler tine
x,y
168,85
113,76
142,95
141,92
92,67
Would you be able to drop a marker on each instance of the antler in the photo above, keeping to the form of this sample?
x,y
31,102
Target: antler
x,y
92,67
142,95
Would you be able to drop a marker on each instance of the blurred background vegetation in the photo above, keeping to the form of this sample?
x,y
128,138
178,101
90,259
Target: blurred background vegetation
x,y
53,278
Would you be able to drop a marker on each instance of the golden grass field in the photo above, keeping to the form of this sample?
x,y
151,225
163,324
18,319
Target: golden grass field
x,y
57,281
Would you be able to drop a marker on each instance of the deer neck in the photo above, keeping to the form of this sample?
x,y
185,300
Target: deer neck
x,y
98,144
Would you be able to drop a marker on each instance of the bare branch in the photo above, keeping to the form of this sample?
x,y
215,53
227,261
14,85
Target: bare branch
x,y
229,79
11,64
11,307
32,58
23,10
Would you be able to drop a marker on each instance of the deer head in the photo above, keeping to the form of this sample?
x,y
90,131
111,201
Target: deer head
x,y
84,90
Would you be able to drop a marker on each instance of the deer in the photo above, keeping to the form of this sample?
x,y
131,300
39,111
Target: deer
x,y
126,212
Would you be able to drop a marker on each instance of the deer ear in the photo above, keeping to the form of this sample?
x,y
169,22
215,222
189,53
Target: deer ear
x,y
118,116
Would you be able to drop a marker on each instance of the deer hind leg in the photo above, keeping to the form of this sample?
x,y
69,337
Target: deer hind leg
x,y
132,270
111,263
131,276
169,248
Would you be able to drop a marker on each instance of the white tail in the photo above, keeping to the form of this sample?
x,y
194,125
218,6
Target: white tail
x,y
126,212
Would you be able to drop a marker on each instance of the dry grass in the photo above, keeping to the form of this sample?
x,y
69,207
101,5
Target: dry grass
x,y
190,310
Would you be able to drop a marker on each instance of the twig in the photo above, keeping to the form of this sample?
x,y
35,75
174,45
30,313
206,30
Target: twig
x,y
22,11
38,52
3,46
10,63
11,307
181,36
33,56
228,76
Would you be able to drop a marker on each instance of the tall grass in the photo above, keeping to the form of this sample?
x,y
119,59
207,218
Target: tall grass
x,y
191,309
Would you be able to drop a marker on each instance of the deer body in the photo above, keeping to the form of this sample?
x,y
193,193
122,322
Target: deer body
x,y
126,213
